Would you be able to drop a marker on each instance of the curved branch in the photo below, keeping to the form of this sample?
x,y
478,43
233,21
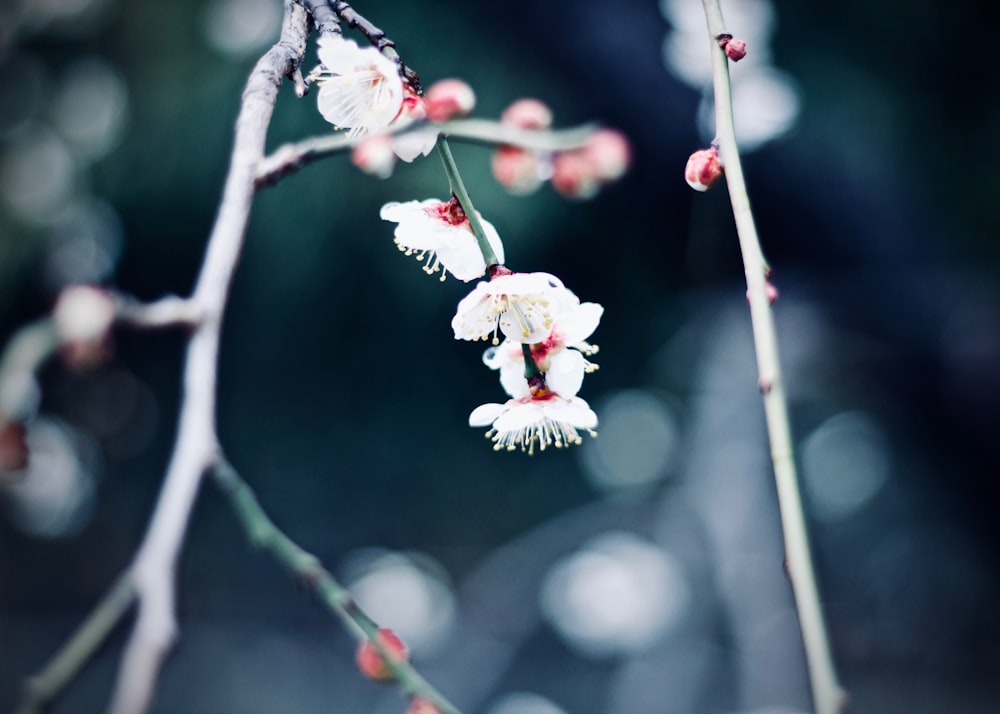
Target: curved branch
x,y
828,697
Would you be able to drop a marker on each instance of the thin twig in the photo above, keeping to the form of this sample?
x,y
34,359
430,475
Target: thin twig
x,y
459,191
387,47
152,572
264,534
170,311
828,697
43,687
288,158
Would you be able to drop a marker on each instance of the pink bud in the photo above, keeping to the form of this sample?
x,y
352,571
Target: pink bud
x,y
13,446
573,175
517,170
609,152
449,98
375,156
420,705
369,660
703,169
736,50
413,108
770,290
527,114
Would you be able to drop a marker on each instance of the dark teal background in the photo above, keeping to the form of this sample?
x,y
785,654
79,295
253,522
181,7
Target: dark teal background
x,y
343,398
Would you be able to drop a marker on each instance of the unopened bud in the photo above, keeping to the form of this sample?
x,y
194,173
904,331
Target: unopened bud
x,y
527,114
770,290
573,175
375,156
449,98
609,152
82,318
13,446
703,169
421,705
517,170
736,50
371,663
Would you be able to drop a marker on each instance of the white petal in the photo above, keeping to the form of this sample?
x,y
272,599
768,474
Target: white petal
x,y
575,412
512,379
412,144
486,414
565,375
461,256
579,324
475,318
520,416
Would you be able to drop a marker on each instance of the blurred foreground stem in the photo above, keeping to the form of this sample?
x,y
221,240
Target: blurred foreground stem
x,y
264,534
828,697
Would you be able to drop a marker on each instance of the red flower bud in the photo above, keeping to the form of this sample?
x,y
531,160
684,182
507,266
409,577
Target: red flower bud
x,y
703,169
369,660
449,98
527,114
420,705
736,50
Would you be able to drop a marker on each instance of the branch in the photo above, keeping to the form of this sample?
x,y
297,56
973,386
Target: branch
x,y
47,684
828,697
152,572
264,534
387,47
289,158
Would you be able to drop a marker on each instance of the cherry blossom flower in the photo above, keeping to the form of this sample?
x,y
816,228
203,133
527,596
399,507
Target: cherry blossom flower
x,y
438,233
539,417
520,305
561,356
360,88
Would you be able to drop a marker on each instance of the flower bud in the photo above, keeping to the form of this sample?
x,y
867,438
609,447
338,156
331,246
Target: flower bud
x,y
13,446
609,152
421,705
574,176
375,156
736,50
703,169
517,170
82,317
449,98
770,290
527,114
369,660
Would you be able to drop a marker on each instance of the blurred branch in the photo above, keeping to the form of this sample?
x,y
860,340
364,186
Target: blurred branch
x,y
47,684
170,311
289,158
152,571
828,697
264,534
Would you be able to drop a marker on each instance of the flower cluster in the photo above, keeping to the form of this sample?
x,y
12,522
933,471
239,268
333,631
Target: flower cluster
x,y
538,328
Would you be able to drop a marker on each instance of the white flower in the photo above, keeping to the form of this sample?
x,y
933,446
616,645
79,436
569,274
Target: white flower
x,y
543,417
439,233
561,356
411,144
360,88
520,305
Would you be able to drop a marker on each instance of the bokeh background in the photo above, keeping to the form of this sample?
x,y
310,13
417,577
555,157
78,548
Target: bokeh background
x,y
638,573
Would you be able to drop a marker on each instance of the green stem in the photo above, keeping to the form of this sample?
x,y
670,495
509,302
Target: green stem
x,y
828,697
530,366
264,534
458,190
47,684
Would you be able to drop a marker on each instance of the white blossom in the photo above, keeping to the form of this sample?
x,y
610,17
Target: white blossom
x,y
438,233
360,88
540,417
521,305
